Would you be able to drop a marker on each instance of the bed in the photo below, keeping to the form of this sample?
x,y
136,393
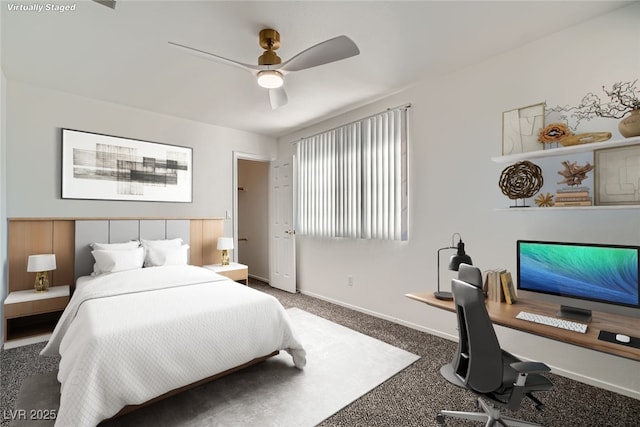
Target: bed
x,y
129,336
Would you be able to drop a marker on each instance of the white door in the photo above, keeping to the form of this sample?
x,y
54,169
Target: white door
x,y
283,237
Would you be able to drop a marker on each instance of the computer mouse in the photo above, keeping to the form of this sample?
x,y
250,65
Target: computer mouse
x,y
623,338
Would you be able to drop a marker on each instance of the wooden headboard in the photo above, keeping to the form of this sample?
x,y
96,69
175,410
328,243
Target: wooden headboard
x,y
68,239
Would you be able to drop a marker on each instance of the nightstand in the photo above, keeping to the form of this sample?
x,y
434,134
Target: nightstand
x,y
31,317
233,271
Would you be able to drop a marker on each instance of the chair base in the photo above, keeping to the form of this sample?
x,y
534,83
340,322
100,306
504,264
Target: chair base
x,y
491,416
449,374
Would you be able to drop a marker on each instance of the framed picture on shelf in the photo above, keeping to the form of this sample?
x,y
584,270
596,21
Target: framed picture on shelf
x,y
617,178
520,128
104,167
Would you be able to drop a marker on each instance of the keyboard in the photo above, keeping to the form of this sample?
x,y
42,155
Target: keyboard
x,y
552,321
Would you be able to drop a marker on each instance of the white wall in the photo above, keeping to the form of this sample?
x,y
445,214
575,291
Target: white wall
x,y
30,140
35,117
455,129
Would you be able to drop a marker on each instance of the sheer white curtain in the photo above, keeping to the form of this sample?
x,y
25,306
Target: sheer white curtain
x,y
352,180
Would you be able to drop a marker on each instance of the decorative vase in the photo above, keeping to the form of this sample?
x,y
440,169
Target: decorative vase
x,y
630,125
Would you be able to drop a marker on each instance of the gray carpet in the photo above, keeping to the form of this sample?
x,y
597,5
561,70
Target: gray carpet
x,y
342,365
410,398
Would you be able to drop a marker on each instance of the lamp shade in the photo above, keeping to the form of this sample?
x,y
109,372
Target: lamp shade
x,y
44,262
459,258
225,243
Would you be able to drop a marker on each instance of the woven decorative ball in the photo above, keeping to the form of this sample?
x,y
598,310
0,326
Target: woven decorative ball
x,y
521,180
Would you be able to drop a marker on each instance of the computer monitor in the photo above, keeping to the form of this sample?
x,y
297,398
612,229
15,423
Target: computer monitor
x,y
581,276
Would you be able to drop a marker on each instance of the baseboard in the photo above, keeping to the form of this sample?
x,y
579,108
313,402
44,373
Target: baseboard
x,y
635,394
556,370
383,316
262,279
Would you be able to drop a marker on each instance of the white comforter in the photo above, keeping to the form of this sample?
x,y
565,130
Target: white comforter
x,y
128,337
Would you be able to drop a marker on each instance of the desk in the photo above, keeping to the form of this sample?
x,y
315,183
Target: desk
x,y
505,315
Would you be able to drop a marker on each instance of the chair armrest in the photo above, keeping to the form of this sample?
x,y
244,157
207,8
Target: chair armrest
x,y
530,367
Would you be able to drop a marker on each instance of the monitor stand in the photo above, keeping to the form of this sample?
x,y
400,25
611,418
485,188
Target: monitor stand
x,y
574,313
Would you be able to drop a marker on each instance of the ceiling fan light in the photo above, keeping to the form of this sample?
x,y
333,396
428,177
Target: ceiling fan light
x,y
270,79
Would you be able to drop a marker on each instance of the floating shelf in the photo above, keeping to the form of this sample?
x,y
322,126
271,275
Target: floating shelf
x,y
573,149
563,151
571,208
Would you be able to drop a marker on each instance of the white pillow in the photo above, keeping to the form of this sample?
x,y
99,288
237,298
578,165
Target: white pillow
x,y
171,243
148,244
156,256
115,246
110,261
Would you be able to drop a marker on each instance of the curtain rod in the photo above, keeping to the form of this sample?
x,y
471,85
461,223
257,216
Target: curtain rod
x,y
399,107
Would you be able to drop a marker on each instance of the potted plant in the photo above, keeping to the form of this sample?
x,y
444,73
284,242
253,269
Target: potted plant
x,y
623,99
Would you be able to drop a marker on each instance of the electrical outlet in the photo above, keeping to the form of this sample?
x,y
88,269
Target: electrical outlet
x,y
349,280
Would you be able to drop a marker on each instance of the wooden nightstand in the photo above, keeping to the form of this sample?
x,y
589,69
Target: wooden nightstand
x,y
31,317
233,271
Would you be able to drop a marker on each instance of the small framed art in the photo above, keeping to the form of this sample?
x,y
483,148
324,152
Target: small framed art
x,y
617,179
104,167
520,128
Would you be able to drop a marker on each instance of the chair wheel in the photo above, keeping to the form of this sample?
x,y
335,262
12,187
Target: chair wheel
x,y
440,419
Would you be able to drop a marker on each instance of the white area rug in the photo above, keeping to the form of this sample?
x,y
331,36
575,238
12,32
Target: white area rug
x,y
342,365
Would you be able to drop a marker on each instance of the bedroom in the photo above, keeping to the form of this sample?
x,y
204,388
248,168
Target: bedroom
x,y
456,128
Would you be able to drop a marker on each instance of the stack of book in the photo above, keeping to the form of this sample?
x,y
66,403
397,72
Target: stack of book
x,y
498,286
573,196
492,285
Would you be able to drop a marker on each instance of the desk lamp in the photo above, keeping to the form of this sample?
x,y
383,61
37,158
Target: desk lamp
x,y
454,263
41,264
225,244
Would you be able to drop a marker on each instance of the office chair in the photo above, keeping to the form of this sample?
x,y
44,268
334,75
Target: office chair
x,y
500,379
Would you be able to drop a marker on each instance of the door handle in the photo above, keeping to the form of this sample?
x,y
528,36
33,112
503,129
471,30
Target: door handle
x,y
290,232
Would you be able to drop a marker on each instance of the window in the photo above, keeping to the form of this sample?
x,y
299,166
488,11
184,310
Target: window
x,y
352,180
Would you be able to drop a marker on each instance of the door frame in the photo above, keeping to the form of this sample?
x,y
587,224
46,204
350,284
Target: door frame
x,y
239,155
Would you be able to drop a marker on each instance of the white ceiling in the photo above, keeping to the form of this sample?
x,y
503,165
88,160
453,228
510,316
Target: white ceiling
x,y
122,55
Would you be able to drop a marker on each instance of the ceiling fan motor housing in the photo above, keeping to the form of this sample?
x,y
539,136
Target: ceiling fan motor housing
x,y
270,41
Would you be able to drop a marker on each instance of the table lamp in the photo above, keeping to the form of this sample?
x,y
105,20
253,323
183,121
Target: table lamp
x,y
225,244
41,265
454,263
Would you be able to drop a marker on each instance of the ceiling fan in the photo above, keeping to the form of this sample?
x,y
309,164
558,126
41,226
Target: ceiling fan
x,y
270,70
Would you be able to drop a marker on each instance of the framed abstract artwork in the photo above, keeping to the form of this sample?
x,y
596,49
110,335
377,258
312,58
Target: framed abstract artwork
x,y
520,129
104,167
617,175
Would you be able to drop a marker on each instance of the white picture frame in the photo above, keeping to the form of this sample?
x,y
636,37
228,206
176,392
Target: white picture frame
x,y
105,167
617,179
520,128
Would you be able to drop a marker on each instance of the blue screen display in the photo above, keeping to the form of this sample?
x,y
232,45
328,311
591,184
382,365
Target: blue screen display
x,y
604,273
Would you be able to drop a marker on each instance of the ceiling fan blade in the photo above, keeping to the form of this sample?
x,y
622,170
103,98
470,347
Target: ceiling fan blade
x,y
278,97
212,57
331,50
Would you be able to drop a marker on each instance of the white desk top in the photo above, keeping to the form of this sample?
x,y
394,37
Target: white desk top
x,y
32,295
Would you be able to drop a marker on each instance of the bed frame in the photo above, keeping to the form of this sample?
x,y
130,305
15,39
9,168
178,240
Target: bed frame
x,y
117,231
130,408
69,238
